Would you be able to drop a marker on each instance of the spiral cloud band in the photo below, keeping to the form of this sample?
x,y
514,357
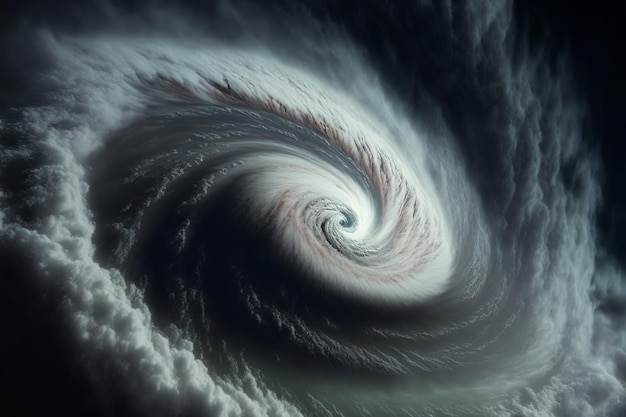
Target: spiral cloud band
x,y
239,228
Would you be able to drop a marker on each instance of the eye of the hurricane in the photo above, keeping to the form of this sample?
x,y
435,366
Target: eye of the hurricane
x,y
348,221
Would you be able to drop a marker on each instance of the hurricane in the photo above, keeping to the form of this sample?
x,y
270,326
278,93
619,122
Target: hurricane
x,y
243,212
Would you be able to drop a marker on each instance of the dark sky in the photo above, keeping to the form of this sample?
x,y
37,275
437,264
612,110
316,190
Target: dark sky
x,y
595,33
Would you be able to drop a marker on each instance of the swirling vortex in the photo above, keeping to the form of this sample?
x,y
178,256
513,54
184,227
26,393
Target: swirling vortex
x,y
239,235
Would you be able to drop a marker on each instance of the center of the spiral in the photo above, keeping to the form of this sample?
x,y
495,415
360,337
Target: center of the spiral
x,y
348,221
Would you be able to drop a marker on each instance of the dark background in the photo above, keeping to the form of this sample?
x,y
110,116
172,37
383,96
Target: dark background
x,y
42,378
595,32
